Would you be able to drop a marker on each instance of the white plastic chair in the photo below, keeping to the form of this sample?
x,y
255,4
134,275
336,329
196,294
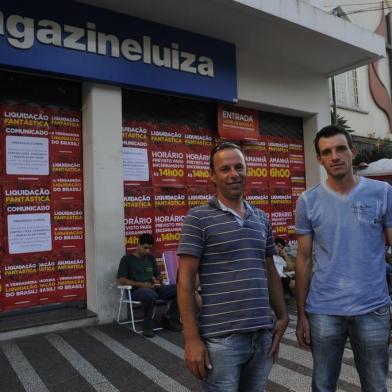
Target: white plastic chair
x,y
131,305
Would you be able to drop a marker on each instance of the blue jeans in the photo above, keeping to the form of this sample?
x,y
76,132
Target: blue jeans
x,y
239,362
369,338
148,297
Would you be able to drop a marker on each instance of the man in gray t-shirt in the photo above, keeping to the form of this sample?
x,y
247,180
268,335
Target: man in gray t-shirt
x,y
345,220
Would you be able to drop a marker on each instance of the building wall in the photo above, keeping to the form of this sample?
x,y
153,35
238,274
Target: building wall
x,y
368,119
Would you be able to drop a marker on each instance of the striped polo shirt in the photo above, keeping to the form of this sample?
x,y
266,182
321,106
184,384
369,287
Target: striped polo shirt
x,y
232,269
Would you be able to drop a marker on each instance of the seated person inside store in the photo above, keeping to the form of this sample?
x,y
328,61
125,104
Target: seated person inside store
x,y
284,266
140,270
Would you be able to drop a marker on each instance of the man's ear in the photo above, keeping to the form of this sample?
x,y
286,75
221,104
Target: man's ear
x,y
212,175
354,151
318,157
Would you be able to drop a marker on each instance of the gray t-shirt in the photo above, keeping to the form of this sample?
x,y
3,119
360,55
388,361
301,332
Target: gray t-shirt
x,y
349,262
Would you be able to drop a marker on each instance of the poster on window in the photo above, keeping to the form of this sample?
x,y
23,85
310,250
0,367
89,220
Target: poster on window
x,y
65,166
256,158
139,215
278,163
198,196
47,276
20,282
297,163
168,156
281,220
71,275
170,209
280,197
136,159
68,226
236,123
258,197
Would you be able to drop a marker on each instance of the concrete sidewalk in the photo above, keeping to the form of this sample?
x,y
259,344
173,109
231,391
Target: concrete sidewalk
x,y
111,358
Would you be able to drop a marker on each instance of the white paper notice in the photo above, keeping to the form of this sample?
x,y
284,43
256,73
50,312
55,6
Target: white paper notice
x,y
29,233
27,155
135,164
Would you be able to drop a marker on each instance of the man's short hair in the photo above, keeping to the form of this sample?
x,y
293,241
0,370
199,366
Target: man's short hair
x,y
329,131
146,238
281,241
222,146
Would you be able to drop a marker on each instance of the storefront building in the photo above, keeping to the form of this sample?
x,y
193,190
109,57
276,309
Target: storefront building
x,y
108,112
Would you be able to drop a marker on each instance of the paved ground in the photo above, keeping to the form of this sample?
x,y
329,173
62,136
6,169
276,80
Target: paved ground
x,y
111,358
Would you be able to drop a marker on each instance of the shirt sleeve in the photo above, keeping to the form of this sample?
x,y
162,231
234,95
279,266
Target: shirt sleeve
x,y
303,225
192,237
122,269
387,219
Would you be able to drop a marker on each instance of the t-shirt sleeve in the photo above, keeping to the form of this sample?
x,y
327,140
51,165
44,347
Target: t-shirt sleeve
x,y
192,237
303,224
387,219
122,269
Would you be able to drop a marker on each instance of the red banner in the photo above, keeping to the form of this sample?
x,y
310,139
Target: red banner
x,y
47,275
20,283
259,198
237,123
279,166
256,157
170,209
136,159
197,196
139,214
68,226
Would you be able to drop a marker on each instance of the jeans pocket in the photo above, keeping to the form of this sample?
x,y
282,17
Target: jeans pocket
x,y
382,311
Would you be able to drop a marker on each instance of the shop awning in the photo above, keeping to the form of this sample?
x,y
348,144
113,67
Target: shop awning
x,y
288,30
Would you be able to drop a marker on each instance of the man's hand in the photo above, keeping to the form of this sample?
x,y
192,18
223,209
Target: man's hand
x,y
196,358
277,332
303,331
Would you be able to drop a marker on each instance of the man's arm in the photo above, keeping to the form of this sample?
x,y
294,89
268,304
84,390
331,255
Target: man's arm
x,y
388,235
196,355
278,305
303,274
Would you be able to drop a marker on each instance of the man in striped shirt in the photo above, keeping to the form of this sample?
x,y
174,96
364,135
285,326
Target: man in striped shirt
x,y
229,243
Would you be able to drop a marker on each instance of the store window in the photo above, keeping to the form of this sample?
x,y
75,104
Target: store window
x,y
42,254
166,148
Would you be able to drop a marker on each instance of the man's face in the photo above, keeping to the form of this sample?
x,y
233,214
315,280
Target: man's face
x,y
229,173
279,248
336,156
144,249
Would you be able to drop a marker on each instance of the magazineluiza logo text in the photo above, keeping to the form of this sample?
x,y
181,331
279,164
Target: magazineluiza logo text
x,y
23,31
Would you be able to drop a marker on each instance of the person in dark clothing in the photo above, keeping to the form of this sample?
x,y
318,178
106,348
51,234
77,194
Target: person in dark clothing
x,y
141,271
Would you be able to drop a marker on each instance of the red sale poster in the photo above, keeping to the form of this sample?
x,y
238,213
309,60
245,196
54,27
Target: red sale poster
x,y
297,164
258,197
280,198
197,196
236,123
65,166
256,157
47,276
279,166
197,162
27,221
71,272
168,156
65,119
139,214
68,226
170,209
70,188
281,219
136,156
20,282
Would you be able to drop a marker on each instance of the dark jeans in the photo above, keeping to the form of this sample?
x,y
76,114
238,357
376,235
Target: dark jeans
x,y
148,297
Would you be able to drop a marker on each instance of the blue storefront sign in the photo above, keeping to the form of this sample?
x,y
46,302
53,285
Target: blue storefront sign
x,y
77,40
